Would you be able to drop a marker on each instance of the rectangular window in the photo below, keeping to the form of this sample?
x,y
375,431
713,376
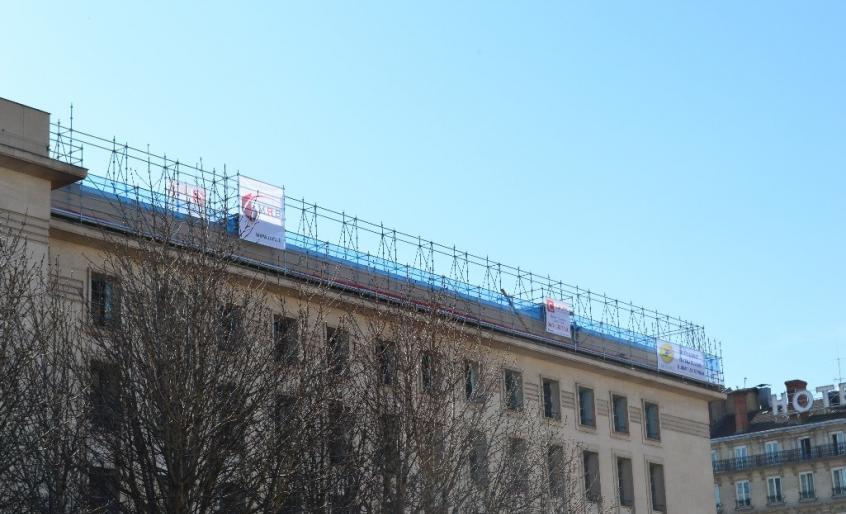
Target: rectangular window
x,y
472,380
805,447
593,489
551,399
807,488
656,487
587,410
231,428
339,442
231,498
772,450
625,482
286,340
337,349
717,499
105,300
715,458
389,451
479,459
555,466
838,443
620,411
653,424
741,493
230,330
283,413
838,482
103,490
387,354
741,457
774,490
513,389
428,372
105,396
518,467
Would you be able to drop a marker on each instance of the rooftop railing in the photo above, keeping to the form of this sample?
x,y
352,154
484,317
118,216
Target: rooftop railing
x,y
125,171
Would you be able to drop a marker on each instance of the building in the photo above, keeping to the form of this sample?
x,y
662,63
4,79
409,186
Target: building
x,y
606,373
780,453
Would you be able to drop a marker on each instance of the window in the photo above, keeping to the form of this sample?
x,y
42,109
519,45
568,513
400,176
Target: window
x,y
774,490
286,340
741,457
103,490
472,380
428,372
741,493
389,450
231,427
231,327
105,396
838,482
478,459
620,411
656,487
387,354
513,389
652,425
838,443
625,482
551,399
715,458
283,412
231,499
518,465
717,499
555,466
105,300
772,451
339,443
805,447
587,410
593,489
337,349
807,489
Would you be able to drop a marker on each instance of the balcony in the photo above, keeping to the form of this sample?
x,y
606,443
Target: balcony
x,y
743,504
807,496
779,458
775,500
838,491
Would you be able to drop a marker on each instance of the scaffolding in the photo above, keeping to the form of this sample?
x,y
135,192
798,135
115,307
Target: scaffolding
x,y
121,171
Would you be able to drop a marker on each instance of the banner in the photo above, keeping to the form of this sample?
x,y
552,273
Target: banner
x,y
262,218
681,360
557,317
187,198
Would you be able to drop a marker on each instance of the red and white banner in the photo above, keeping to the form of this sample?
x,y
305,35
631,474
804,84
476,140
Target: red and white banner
x,y
262,216
557,317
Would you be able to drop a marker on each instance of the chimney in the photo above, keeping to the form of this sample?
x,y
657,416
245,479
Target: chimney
x,y
741,411
792,386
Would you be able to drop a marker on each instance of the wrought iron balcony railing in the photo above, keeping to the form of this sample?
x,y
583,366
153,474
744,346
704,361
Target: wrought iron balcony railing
x,y
838,491
743,503
807,496
779,458
775,500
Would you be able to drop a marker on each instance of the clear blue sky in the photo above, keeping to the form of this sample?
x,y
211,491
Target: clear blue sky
x,y
688,156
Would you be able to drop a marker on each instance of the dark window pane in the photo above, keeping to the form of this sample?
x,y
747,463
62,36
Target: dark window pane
x,y
286,340
586,407
555,464
656,485
103,490
386,353
513,389
105,300
479,459
337,349
653,425
106,409
625,482
593,488
620,408
472,380
551,399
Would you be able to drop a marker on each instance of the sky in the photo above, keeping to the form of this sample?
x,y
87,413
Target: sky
x,y
686,156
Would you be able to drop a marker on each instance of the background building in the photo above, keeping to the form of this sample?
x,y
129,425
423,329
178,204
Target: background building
x,y
602,379
779,462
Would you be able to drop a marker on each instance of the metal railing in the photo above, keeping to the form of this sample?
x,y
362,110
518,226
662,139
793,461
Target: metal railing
x,y
775,499
123,171
838,491
743,503
808,495
779,458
